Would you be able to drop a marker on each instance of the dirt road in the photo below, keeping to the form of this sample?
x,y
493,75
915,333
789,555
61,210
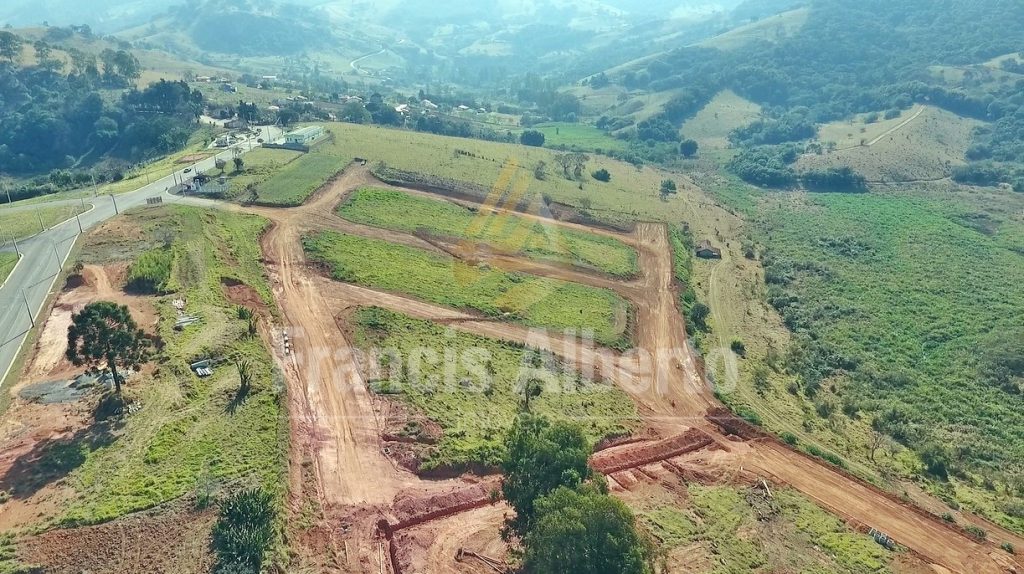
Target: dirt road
x,y
336,412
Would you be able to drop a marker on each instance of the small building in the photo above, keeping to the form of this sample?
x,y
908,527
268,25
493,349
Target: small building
x,y
706,251
236,124
304,136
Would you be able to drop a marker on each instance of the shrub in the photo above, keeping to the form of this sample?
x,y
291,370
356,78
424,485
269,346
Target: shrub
x,y
532,138
948,517
976,531
151,271
1008,547
738,347
790,438
243,530
602,175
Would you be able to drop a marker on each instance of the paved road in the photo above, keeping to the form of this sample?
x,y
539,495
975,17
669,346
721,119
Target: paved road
x,y
23,295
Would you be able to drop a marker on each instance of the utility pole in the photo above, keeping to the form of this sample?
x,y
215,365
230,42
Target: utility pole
x,y
116,212
56,254
42,227
16,248
28,308
7,188
78,218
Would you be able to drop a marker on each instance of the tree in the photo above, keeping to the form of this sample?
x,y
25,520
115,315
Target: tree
x,y
668,186
585,532
532,138
244,529
688,148
540,457
103,336
602,175
10,45
239,163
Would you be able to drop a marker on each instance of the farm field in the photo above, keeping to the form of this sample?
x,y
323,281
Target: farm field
x,y
476,402
922,144
188,434
534,301
24,223
403,212
298,179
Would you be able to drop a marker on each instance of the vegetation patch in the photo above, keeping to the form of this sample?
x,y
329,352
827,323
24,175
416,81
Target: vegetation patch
x,y
293,184
19,224
403,212
151,271
7,263
475,387
187,428
531,300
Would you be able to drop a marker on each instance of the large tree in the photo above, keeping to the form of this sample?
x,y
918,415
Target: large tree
x,y
10,45
540,457
583,531
104,336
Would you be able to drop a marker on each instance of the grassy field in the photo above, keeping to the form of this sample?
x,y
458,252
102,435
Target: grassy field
x,y
769,29
296,181
728,530
713,123
903,307
533,301
475,416
923,149
188,430
577,136
404,212
24,223
631,194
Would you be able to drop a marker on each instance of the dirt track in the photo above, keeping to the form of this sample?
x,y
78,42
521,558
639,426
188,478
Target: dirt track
x,y
334,412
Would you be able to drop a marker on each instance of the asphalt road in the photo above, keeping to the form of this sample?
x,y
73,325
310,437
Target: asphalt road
x,y
24,294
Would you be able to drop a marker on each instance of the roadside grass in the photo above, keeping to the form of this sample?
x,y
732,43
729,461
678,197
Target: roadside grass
x,y
531,300
787,533
7,263
403,212
198,142
475,396
28,222
296,181
189,428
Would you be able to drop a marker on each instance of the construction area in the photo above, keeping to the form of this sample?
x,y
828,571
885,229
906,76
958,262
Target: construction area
x,y
363,510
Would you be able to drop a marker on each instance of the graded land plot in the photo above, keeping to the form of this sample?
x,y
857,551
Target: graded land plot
x,y
296,181
22,222
259,165
531,300
711,126
401,211
474,393
736,529
183,433
922,144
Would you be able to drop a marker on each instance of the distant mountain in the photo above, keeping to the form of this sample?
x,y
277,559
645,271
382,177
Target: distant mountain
x,y
102,15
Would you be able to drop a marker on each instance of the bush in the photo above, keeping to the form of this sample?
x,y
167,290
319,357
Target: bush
x,y
243,530
602,175
532,138
790,438
738,347
976,531
1008,547
151,271
948,518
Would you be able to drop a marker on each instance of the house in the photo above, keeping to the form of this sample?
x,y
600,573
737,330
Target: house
x,y
706,251
303,136
236,124
429,105
402,109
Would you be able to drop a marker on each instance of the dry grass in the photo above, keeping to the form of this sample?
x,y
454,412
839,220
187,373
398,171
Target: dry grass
x,y
726,112
769,29
925,148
